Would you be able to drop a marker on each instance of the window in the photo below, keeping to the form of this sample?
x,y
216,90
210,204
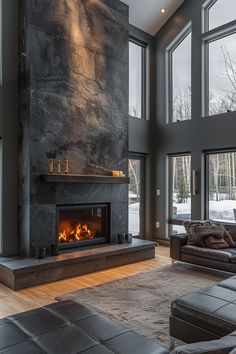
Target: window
x,y
136,80
221,168
180,192
219,56
136,196
218,13
222,78
179,77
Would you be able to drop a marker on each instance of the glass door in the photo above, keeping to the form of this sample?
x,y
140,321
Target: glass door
x,y
136,196
180,192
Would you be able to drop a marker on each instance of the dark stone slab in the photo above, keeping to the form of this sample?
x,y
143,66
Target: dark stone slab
x,y
73,105
19,273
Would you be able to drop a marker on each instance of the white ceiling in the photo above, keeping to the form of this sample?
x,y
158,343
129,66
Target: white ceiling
x,y
146,14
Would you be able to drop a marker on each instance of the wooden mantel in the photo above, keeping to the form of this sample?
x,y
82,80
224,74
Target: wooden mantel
x,y
74,178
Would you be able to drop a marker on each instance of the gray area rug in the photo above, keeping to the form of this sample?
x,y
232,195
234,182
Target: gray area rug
x,y
142,302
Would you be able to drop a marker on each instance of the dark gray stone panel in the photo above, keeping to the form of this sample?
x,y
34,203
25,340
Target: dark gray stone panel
x,y
76,108
42,227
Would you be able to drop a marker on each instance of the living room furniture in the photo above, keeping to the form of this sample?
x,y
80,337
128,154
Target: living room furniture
x,y
222,259
206,314
225,345
67,327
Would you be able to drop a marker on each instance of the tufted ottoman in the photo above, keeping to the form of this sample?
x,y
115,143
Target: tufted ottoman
x,y
68,327
206,314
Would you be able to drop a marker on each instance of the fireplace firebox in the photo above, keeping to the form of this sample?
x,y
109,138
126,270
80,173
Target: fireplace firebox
x,y
83,225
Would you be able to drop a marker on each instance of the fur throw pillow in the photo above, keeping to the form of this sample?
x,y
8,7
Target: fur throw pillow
x,y
197,233
215,243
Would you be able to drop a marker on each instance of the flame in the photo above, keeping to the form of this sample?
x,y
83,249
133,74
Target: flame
x,y
79,233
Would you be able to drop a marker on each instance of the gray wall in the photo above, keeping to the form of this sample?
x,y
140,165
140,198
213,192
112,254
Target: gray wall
x,y
8,126
195,136
74,94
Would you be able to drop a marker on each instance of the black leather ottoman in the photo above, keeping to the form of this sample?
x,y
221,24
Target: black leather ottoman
x,y
207,314
70,328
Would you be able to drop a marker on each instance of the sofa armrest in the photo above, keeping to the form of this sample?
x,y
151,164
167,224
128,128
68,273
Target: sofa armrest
x,y
220,346
176,242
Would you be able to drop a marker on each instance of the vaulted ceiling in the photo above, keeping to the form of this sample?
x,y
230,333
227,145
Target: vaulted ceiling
x,y
146,14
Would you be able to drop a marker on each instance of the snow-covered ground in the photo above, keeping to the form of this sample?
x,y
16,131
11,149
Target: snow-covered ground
x,y
222,210
134,218
218,210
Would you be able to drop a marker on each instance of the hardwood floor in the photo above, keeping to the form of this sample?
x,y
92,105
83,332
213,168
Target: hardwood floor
x,y
13,302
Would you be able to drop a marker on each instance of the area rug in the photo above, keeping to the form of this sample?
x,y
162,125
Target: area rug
x,y
142,302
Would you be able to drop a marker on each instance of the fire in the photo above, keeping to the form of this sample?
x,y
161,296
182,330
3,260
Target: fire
x,y
79,233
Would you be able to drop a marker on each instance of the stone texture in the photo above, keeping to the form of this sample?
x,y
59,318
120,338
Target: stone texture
x,y
22,273
74,105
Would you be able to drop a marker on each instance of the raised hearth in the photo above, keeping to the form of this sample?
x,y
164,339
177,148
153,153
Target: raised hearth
x,y
20,273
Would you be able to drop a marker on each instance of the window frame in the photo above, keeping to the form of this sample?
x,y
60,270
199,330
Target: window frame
x,y
206,178
170,220
210,36
169,72
142,159
143,76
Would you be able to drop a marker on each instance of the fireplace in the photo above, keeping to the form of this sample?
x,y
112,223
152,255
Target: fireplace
x,y
82,225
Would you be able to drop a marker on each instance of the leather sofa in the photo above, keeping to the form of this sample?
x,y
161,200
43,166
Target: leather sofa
x,y
206,314
68,327
222,259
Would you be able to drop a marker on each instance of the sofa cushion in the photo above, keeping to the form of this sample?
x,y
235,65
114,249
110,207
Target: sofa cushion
x,y
229,239
71,328
219,346
229,283
212,308
218,255
231,228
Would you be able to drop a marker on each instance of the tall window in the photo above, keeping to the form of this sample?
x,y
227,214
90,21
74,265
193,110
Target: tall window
x,y
219,12
136,80
179,77
136,196
180,192
219,56
221,184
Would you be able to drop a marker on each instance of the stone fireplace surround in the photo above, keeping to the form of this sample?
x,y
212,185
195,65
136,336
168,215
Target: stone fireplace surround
x,y
73,105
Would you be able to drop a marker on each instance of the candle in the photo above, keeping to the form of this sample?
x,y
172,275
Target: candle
x,y
51,166
66,166
58,167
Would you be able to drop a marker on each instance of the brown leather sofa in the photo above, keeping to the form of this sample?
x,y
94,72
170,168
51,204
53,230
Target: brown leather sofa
x,y
222,259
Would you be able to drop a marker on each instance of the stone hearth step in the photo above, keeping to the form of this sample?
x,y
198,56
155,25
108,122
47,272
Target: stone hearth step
x,y
20,273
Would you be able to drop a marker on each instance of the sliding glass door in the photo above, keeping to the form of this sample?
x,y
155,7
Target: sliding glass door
x,y
179,192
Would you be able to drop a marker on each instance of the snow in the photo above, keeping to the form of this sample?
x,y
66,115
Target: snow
x,y
222,210
134,210
218,210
